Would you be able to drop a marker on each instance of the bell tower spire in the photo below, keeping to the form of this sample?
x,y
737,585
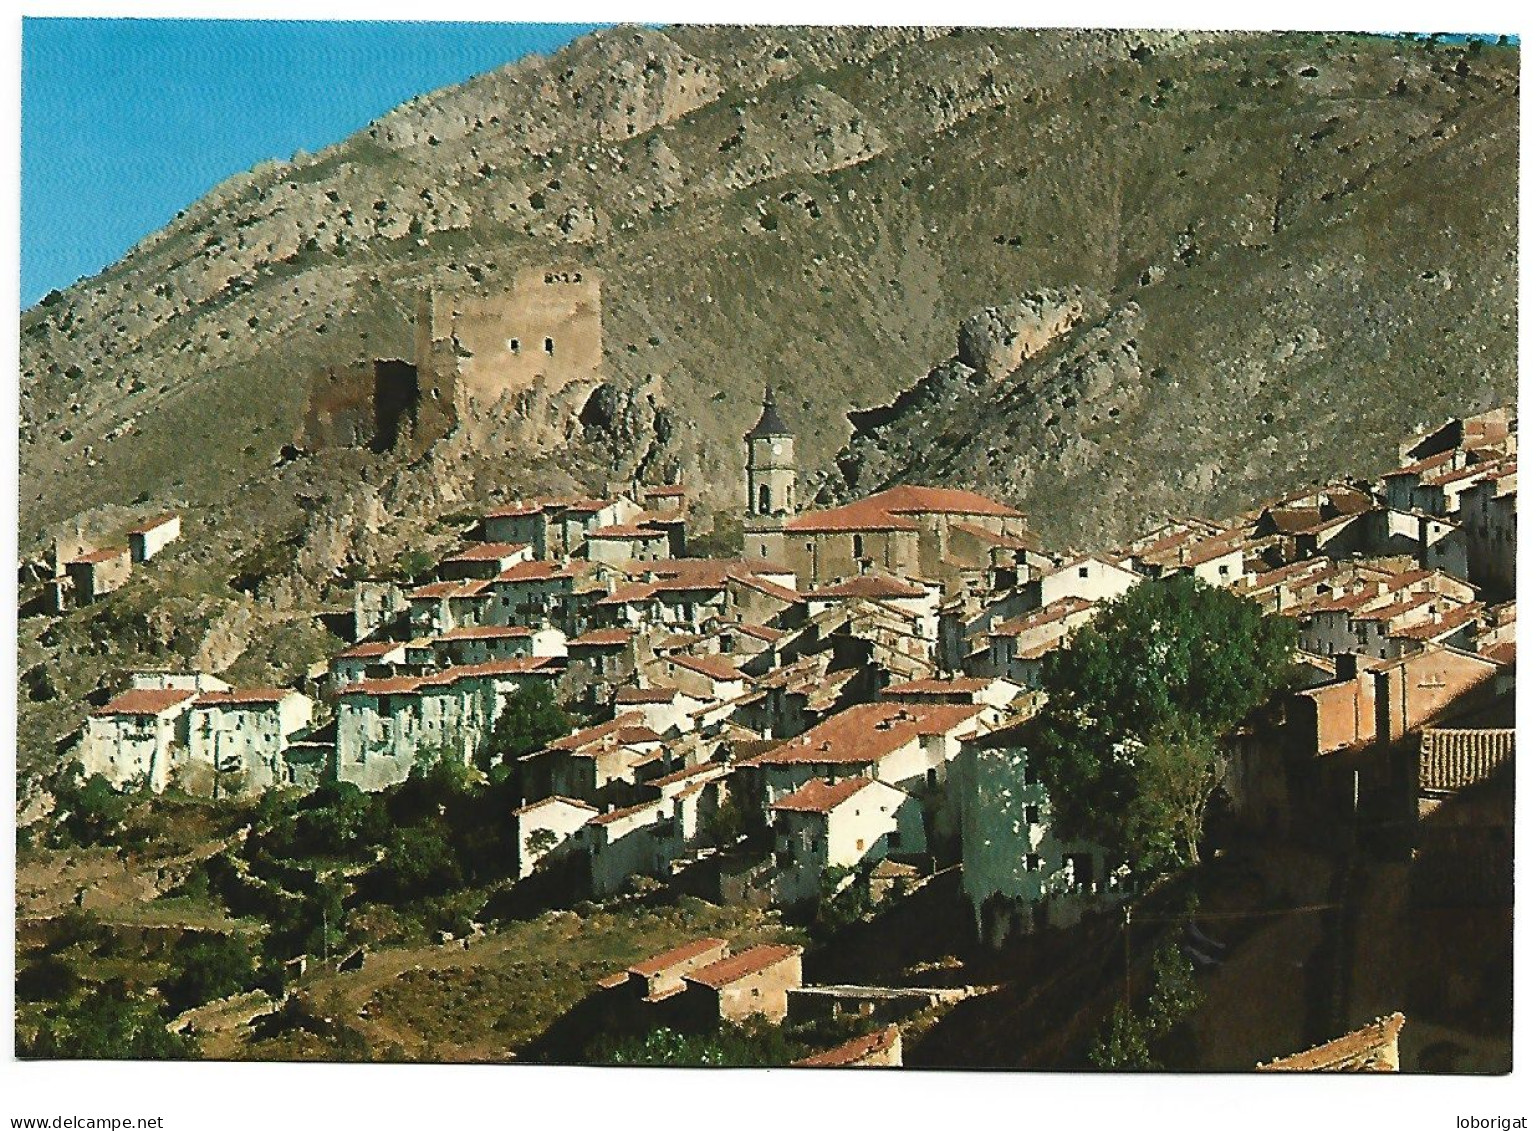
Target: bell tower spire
x,y
771,471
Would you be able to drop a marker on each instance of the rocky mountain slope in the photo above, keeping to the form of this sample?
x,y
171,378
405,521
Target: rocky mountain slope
x,y
1291,243
1206,266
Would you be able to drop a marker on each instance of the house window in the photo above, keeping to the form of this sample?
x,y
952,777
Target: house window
x,y
859,546
763,549
514,345
1032,863
549,345
859,844
1083,571
1222,569
1033,814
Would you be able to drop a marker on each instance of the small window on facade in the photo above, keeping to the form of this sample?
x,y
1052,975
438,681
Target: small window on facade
x,y
1033,814
1032,863
1083,571
514,345
859,545
763,550
549,345
1222,569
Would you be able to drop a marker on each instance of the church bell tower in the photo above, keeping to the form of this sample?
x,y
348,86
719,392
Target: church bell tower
x,y
770,464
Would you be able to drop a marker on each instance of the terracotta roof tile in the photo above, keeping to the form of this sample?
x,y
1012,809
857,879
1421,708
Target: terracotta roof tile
x,y
244,697
676,956
869,732
602,638
869,586
719,975
145,701
852,1051
818,796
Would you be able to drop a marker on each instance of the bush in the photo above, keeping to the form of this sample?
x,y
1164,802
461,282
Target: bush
x,y
211,968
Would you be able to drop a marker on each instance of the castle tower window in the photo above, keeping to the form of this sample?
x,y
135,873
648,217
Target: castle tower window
x,y
514,345
549,345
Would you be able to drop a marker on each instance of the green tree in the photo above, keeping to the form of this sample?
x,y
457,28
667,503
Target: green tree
x,y
108,1024
90,812
1128,744
1123,1046
530,720
732,1046
211,968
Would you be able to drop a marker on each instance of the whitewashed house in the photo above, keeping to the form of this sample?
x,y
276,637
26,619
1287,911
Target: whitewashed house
x,y
544,830
1016,873
242,734
148,538
136,738
839,824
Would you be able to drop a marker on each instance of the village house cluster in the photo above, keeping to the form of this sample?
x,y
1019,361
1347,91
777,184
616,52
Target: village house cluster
x,y
846,702
84,573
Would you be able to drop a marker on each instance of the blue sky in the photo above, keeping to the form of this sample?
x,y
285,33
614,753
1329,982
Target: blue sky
x,y
125,122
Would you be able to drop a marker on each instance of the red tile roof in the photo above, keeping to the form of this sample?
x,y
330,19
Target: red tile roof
x,y
888,510
368,649
554,799
869,732
768,588
754,960
517,510
818,796
395,685
450,589
151,523
96,557
597,734
631,811
676,956
714,667
534,570
1059,610
852,1051
244,697
968,685
627,592
602,638
646,694
626,530
485,632
760,631
869,586
145,701
488,552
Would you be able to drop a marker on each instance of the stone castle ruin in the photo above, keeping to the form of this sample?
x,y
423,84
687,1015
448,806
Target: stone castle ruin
x,y
530,352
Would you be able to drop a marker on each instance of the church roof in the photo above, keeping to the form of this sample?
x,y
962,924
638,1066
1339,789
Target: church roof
x,y
769,423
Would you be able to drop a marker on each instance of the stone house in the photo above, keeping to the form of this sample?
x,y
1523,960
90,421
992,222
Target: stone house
x,y
628,542
703,678
242,736
608,653
1489,526
991,691
661,976
753,983
355,663
596,765
528,523
478,644
148,538
136,736
1016,872
442,605
484,561
637,840
1091,578
905,745
1016,647
666,710
581,517
533,593
94,574
1353,747
546,829
839,824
